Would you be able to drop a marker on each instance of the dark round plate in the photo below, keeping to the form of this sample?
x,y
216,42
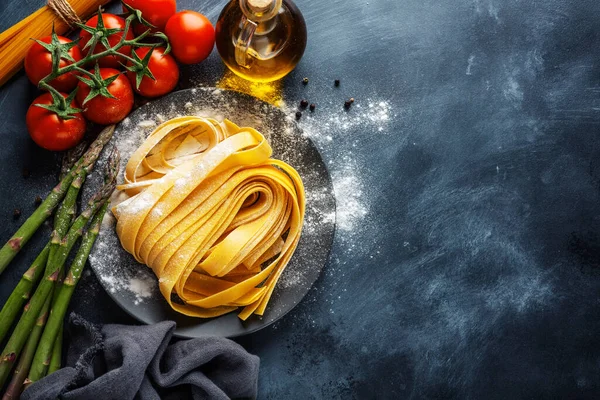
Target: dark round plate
x,y
135,288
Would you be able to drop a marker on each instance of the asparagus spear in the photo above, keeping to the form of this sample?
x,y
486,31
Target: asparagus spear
x,y
13,391
31,225
56,359
64,215
43,354
22,292
66,212
30,278
62,221
17,340
70,159
68,208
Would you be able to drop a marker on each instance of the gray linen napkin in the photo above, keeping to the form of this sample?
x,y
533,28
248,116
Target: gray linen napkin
x,y
139,362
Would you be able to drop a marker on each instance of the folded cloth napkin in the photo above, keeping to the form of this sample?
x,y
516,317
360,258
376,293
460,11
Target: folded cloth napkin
x,y
139,362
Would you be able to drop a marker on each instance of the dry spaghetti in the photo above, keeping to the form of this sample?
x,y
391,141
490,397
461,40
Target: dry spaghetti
x,y
212,214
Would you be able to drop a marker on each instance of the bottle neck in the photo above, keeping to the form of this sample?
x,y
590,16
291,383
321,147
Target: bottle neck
x,y
260,10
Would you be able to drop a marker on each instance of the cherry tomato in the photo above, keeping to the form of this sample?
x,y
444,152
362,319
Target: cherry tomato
x,y
104,110
50,131
163,68
192,36
110,21
38,65
157,12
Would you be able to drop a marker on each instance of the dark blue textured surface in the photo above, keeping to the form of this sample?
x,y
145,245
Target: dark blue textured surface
x,y
477,271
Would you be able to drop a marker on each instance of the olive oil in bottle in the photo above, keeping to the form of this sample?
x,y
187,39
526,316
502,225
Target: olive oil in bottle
x,y
261,40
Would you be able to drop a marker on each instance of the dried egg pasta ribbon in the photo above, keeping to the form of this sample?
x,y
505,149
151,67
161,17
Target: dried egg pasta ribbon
x,y
182,138
212,227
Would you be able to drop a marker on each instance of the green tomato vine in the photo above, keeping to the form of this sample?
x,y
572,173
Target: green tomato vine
x,y
99,35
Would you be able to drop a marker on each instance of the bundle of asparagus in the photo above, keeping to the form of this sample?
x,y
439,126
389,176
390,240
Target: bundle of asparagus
x,y
34,347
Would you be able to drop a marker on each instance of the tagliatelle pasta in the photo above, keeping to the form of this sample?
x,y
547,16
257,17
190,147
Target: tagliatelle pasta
x,y
212,214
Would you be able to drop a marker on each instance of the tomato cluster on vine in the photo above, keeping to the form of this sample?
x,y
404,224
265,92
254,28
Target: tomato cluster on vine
x,y
94,77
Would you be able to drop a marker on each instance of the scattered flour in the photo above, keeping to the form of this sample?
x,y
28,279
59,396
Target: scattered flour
x,y
146,123
375,116
142,288
351,206
329,125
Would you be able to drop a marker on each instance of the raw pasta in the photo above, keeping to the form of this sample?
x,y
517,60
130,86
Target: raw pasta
x,y
212,214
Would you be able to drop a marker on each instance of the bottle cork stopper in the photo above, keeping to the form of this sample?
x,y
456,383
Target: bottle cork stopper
x,y
260,10
260,5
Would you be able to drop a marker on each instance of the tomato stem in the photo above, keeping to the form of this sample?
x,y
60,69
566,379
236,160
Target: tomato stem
x,y
97,34
57,96
91,75
85,72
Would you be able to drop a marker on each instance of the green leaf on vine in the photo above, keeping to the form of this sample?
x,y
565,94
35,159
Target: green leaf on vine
x,y
99,33
65,48
98,86
104,41
165,39
140,67
72,95
58,49
87,81
143,35
100,22
138,15
47,46
61,106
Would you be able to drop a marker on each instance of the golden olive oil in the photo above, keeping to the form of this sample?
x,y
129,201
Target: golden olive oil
x,y
261,40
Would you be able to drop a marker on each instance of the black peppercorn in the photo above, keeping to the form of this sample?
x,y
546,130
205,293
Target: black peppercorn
x,y
312,107
347,104
305,81
304,104
298,115
16,213
25,173
336,82
38,200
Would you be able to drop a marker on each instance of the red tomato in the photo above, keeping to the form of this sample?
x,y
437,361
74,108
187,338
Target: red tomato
x,y
157,12
192,36
110,21
165,71
38,65
50,131
104,110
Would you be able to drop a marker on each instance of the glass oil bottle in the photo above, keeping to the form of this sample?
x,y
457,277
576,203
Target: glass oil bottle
x,y
261,40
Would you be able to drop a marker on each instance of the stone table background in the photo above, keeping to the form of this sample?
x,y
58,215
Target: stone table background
x,y
466,262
